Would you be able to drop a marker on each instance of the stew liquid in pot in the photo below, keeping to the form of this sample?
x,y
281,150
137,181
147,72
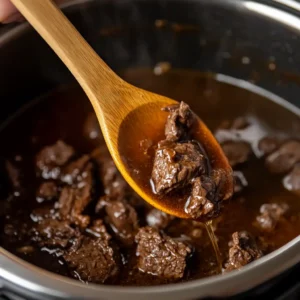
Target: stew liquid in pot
x,y
64,206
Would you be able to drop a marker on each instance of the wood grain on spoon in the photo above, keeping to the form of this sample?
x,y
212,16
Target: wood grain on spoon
x,y
122,109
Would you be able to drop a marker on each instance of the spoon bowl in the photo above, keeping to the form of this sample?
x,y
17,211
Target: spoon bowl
x,y
127,115
142,129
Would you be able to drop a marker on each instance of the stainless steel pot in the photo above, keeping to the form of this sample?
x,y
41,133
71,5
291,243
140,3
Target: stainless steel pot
x,y
263,32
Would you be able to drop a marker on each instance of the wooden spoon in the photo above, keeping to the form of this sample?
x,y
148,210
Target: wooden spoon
x,y
123,110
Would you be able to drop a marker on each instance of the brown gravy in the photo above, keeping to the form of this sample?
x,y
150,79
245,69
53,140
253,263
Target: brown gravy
x,y
49,119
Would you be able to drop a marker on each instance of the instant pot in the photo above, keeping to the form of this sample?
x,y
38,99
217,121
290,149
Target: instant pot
x,y
257,41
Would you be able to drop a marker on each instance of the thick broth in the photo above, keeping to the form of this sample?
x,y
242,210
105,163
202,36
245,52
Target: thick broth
x,y
62,115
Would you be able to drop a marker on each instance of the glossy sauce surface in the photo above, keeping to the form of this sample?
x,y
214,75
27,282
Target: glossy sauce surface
x,y
51,119
138,151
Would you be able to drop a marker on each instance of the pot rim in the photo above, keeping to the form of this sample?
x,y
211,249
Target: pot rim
x,y
18,275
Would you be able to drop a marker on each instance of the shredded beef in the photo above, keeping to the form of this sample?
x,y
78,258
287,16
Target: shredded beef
x,y
160,255
243,250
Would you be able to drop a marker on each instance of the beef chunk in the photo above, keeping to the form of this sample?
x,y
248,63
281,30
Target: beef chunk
x,y
236,152
43,212
114,184
268,144
123,219
179,121
101,204
66,201
83,189
74,199
92,259
112,180
76,170
71,204
115,187
198,204
53,233
98,230
240,182
204,201
51,158
179,163
176,164
284,159
160,255
270,214
47,191
107,169
158,219
292,181
243,250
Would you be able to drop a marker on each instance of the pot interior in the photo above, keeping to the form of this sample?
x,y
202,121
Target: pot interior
x,y
212,36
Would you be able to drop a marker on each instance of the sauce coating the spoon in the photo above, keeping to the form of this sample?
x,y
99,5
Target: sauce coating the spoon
x,y
148,159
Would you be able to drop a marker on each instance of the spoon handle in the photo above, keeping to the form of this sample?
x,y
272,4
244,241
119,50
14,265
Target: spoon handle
x,y
95,77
